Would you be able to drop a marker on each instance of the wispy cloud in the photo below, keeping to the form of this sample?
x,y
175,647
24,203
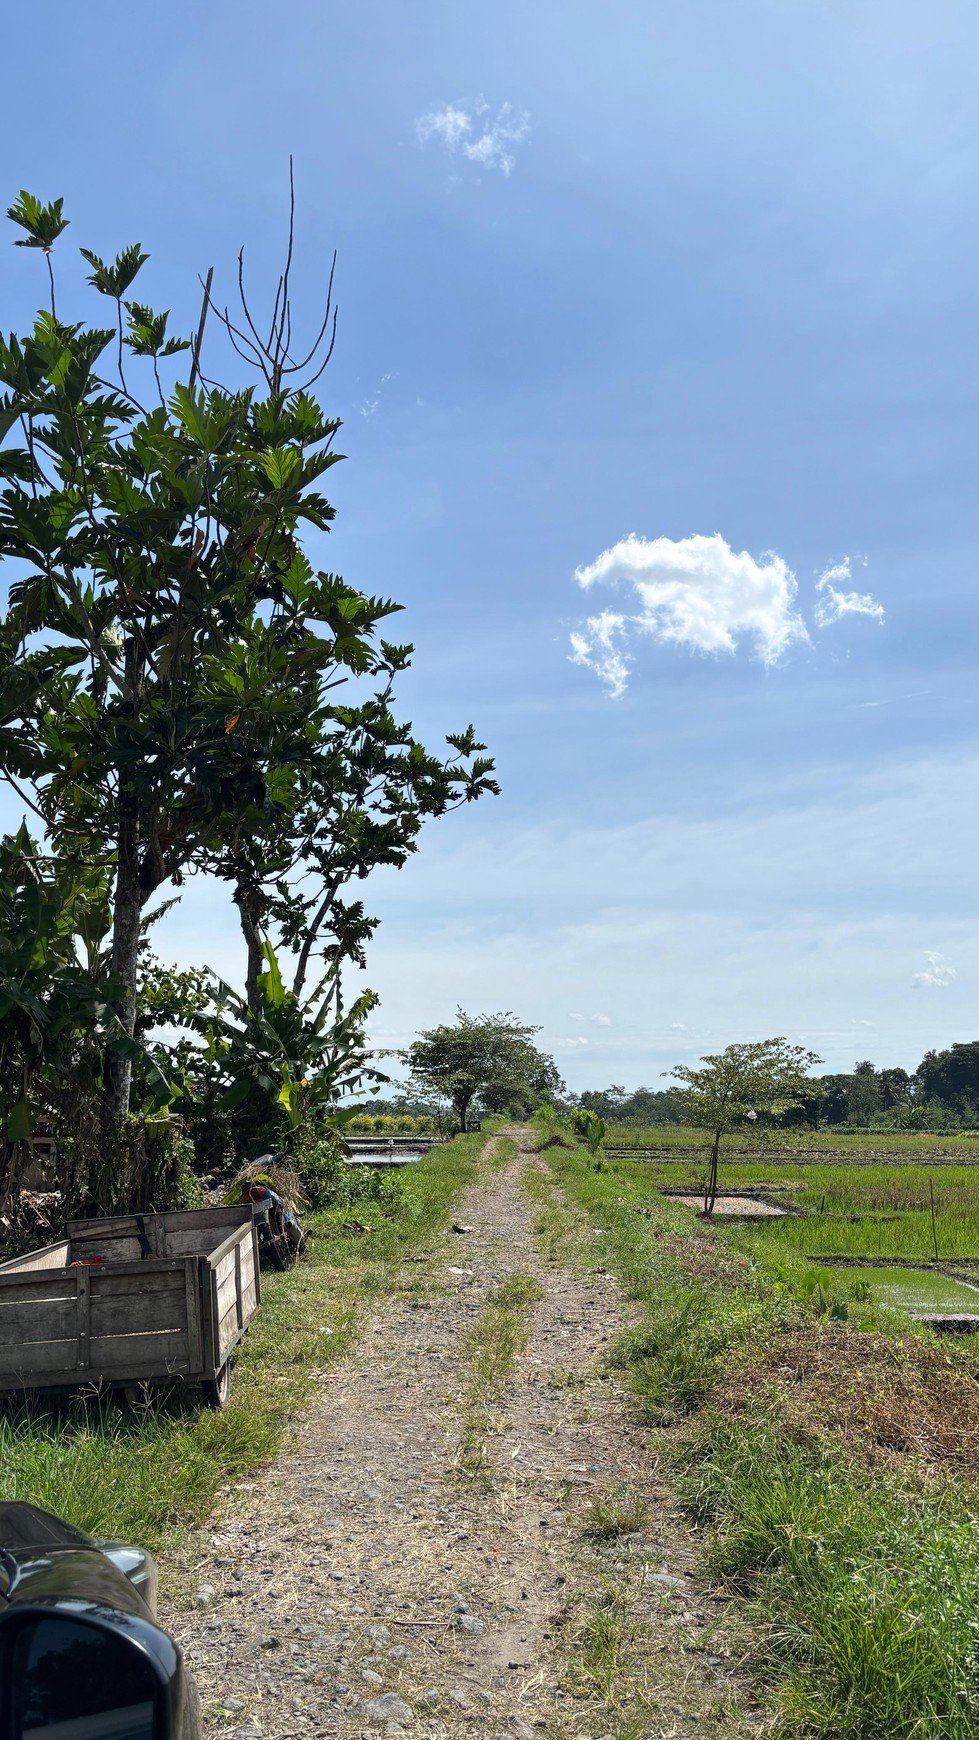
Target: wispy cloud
x,y
833,604
367,407
938,973
692,592
472,132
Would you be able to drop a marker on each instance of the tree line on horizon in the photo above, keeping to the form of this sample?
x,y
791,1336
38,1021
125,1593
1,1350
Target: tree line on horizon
x,y
942,1094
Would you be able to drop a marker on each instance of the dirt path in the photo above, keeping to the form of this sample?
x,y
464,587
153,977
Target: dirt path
x,y
364,1585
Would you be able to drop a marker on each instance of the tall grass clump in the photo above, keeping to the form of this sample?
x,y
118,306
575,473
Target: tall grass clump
x,y
868,1599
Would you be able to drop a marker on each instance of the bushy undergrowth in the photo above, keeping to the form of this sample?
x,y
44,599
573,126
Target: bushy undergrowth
x,y
140,1473
328,1180
855,1552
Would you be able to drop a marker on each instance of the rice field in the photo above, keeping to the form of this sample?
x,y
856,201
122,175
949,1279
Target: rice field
x,y
805,1146
853,1210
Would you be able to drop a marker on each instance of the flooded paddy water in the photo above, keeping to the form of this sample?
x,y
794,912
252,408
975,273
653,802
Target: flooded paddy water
x,y
915,1290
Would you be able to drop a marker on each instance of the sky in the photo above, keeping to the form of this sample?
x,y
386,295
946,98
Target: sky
x,y
657,366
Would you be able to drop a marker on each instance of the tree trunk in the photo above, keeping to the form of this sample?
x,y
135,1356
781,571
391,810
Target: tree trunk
x,y
251,931
462,1104
710,1193
126,913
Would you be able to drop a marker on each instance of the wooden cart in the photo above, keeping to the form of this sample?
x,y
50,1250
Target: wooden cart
x,y
134,1299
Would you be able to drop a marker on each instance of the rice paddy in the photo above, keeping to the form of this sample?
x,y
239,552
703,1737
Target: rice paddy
x,y
910,1209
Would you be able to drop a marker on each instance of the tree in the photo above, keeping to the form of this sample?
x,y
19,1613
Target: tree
x,y
738,1086
864,1097
604,1102
488,1058
168,656
952,1077
53,1009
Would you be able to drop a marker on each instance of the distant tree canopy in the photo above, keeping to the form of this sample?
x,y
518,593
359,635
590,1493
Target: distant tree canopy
x,y
941,1094
484,1060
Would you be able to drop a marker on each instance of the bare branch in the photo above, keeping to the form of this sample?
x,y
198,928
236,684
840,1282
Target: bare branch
x,y
199,340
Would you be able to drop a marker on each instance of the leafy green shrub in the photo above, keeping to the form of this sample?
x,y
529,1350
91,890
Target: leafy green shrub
x,y
328,1180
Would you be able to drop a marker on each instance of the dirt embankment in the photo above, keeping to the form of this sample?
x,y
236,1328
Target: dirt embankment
x,y
365,1584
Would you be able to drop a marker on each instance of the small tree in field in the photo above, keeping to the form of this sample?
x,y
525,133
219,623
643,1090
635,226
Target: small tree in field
x,y
743,1083
484,1057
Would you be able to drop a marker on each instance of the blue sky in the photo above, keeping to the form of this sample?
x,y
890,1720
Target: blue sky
x,y
678,272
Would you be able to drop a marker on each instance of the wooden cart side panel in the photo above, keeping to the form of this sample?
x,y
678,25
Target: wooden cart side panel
x,y
185,1232
49,1257
233,1291
90,1323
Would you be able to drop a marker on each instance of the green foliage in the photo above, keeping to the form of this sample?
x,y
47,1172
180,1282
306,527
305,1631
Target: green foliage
x,y
330,1182
169,658
739,1085
487,1059
590,1128
265,1069
52,1009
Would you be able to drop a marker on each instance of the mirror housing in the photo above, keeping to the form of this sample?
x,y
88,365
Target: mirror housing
x,y
81,1670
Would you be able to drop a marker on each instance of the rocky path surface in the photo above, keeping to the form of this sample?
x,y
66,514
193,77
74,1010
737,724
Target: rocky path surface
x,y
364,1585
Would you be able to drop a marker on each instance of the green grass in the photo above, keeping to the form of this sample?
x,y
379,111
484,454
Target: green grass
x,y
618,1512
849,1147
873,1211
147,1473
858,1590
491,1349
869,1595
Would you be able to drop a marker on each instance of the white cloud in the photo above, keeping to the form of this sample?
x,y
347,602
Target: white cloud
x,y
598,648
938,973
832,604
470,131
854,1022
598,1020
693,592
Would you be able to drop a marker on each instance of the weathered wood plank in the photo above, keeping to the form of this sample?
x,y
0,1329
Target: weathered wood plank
x,y
225,1217
18,1363
140,1315
229,1332
227,1292
49,1257
48,1320
158,1355
136,1280
192,1305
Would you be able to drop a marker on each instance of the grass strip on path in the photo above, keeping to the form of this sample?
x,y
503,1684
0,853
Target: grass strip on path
x,y
846,1527
146,1473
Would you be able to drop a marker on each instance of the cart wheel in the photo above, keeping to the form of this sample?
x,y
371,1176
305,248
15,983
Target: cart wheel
x,y
215,1391
136,1395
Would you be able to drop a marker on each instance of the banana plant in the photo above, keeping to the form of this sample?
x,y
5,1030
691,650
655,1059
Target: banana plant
x,y
280,1061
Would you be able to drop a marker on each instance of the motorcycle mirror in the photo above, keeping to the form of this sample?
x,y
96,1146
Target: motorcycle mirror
x,y
84,1676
